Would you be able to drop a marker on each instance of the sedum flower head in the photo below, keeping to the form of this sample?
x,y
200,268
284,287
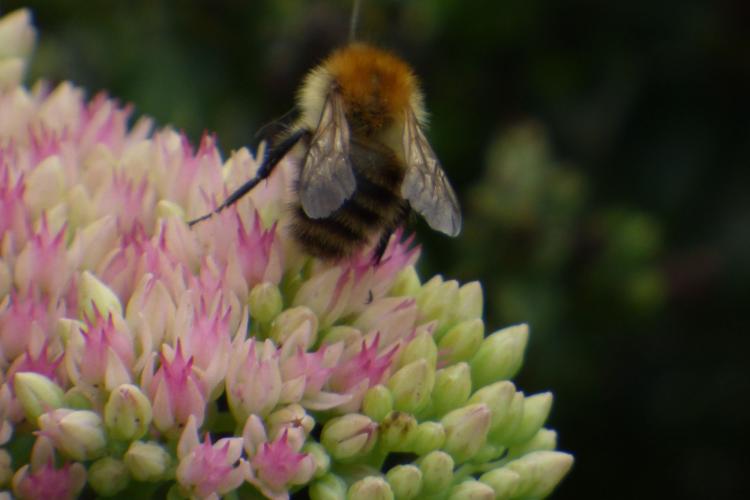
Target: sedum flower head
x,y
136,350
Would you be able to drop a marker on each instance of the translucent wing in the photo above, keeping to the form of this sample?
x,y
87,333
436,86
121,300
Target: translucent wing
x,y
425,185
327,179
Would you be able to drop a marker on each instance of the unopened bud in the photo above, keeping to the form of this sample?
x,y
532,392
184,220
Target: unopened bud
x,y
349,436
461,341
437,471
430,436
500,356
452,388
471,490
37,394
540,472
406,283
265,302
147,461
290,320
421,347
543,440
405,481
328,487
108,476
319,456
397,431
536,409
466,431
377,402
503,481
95,295
370,488
127,414
77,433
411,386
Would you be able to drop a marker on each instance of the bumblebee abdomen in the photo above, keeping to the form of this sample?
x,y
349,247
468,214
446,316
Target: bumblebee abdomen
x,y
372,209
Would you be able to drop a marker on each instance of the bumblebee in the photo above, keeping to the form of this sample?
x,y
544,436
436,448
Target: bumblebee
x,y
365,162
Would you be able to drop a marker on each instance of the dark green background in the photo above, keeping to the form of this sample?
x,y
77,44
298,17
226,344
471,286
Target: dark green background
x,y
600,150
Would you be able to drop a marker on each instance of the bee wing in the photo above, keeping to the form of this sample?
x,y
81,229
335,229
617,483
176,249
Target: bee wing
x,y
425,184
327,180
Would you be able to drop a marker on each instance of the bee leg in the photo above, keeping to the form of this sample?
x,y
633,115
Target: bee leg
x,y
400,218
274,156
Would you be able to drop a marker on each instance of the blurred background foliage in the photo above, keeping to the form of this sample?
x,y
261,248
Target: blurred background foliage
x,y
600,150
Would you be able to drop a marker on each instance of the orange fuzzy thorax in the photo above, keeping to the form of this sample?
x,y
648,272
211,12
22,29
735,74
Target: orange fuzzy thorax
x,y
377,88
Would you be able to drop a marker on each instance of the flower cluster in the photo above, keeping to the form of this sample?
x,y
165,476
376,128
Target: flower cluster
x,y
141,357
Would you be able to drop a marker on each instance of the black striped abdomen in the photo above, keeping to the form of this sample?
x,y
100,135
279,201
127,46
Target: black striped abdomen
x,y
373,208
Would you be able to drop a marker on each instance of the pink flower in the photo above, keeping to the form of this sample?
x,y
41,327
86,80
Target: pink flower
x,y
24,320
101,355
175,390
15,224
349,287
278,466
44,263
208,470
41,479
206,339
253,381
310,371
361,372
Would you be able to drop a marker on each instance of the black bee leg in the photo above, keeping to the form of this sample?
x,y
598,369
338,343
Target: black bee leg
x,y
401,218
273,157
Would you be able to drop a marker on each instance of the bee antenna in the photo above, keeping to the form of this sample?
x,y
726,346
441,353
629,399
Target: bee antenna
x,y
353,20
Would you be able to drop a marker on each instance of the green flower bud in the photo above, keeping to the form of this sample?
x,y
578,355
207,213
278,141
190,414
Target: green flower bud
x,y
127,414
452,388
108,476
540,472
290,320
499,398
437,472
147,461
506,427
345,334
6,467
328,487
504,482
461,342
406,283
370,488
544,439
319,456
265,302
293,414
466,431
471,490
92,293
349,436
470,301
421,347
166,208
37,394
437,300
77,399
430,436
77,433
405,481
487,453
500,356
66,327
377,402
397,431
411,386
536,409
